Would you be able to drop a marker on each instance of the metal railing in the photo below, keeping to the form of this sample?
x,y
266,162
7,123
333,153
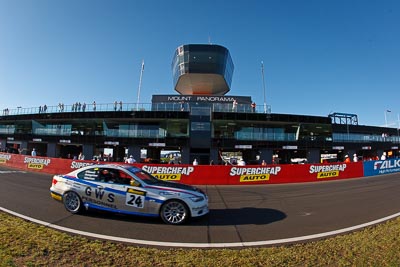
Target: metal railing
x,y
355,138
106,107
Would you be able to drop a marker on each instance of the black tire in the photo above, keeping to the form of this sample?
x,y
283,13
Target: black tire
x,y
72,202
174,212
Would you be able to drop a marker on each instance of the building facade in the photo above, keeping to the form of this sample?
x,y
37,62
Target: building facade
x,y
202,123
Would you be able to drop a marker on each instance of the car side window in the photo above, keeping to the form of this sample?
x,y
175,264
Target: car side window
x,y
113,176
108,175
89,174
125,178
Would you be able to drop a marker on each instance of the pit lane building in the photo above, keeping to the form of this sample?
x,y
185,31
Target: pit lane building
x,y
201,122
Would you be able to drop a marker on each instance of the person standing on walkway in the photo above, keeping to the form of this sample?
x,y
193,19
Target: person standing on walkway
x,y
253,107
234,105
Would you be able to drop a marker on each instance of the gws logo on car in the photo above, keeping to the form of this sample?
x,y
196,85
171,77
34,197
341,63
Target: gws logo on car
x,y
254,174
327,171
168,173
36,163
4,158
99,197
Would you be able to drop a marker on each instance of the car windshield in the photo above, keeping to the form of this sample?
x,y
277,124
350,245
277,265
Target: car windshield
x,y
143,176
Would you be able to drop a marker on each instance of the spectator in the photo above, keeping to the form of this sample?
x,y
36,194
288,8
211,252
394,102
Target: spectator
x,y
355,158
234,105
195,162
253,107
81,156
241,162
130,160
33,153
347,159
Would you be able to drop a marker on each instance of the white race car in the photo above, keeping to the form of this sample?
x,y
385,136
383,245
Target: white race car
x,y
129,190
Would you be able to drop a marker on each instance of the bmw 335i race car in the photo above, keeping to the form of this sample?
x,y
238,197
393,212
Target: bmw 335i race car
x,y
129,190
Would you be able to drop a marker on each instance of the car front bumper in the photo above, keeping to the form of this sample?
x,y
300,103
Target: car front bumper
x,y
200,209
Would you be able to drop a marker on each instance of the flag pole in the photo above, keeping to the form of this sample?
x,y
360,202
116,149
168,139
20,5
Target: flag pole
x,y
398,121
140,85
398,124
386,111
385,119
263,79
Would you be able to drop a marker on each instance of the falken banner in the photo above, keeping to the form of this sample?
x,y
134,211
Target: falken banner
x,y
379,167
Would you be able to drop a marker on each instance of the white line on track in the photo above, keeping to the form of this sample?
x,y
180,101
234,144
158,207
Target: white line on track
x,y
203,245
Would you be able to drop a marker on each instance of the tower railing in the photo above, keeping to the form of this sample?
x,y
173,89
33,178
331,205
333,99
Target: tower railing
x,y
118,107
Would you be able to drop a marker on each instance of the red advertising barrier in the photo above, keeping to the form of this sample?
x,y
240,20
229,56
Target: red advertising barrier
x,y
42,164
254,174
205,174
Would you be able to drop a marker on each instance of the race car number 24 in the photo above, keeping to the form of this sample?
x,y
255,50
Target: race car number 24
x,y
134,200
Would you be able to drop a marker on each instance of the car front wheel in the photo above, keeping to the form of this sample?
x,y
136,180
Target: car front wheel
x,y
72,202
174,212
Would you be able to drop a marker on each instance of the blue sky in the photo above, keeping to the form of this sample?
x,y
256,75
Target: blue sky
x,y
320,56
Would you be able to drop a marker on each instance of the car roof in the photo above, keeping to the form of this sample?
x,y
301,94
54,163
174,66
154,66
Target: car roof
x,y
114,165
110,165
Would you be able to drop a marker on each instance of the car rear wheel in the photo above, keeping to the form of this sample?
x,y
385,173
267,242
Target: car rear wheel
x,y
174,212
72,202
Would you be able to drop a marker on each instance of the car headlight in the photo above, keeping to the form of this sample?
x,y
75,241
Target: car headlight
x,y
168,193
197,199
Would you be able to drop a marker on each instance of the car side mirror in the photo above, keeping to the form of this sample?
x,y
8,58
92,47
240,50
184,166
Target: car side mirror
x,y
134,183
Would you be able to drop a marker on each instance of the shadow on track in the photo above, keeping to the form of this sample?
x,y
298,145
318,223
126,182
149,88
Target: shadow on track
x,y
241,216
216,217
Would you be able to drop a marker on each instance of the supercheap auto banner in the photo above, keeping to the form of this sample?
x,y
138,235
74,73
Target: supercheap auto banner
x,y
205,174
41,164
254,174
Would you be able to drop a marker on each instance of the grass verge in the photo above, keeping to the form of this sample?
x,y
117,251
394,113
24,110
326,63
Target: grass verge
x,y
27,244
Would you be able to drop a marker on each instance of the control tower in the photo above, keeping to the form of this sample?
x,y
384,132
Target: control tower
x,y
202,69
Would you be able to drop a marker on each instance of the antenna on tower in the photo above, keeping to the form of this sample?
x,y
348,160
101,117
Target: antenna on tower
x,y
140,85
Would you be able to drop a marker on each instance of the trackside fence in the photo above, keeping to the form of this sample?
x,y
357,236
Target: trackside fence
x,y
220,174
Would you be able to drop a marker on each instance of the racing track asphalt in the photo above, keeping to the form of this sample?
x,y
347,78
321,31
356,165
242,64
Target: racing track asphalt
x,y
240,216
